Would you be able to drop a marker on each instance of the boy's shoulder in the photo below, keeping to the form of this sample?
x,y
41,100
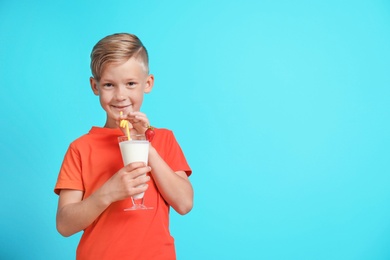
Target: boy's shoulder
x,y
79,141
164,134
96,134
162,130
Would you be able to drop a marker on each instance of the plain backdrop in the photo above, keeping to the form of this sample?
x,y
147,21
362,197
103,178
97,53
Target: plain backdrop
x,y
282,109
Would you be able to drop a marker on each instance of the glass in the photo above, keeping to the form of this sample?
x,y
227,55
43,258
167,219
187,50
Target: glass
x,y
135,150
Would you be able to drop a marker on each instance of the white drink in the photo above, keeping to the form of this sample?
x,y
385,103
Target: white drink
x,y
135,151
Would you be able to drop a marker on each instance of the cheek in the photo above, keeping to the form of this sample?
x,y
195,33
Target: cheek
x,y
138,96
137,100
104,99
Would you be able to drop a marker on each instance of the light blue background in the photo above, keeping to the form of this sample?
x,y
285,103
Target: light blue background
x,y
281,107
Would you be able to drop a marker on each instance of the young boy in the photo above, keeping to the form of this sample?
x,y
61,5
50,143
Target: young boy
x,y
93,185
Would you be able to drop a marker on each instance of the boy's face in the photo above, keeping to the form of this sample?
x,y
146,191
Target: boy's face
x,y
121,88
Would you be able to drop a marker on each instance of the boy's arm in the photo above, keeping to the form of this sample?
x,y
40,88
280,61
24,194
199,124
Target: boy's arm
x,y
175,187
75,213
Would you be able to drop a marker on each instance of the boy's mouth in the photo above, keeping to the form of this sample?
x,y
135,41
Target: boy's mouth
x,y
125,109
121,107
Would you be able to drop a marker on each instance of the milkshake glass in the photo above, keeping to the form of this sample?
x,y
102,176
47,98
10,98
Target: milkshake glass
x,y
135,150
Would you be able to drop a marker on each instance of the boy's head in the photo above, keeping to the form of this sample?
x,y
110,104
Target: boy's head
x,y
117,48
119,65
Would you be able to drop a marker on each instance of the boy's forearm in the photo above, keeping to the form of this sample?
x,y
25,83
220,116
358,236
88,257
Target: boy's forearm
x,y
76,216
174,187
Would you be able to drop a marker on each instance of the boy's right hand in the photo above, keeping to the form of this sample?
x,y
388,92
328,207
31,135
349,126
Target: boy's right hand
x,y
128,181
75,213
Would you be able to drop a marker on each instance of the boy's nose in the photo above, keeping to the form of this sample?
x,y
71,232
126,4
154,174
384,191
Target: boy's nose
x,y
120,93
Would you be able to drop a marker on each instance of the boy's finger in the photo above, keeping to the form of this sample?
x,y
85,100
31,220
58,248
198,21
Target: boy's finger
x,y
137,168
135,165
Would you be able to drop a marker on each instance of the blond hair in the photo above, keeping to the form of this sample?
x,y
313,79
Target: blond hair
x,y
117,48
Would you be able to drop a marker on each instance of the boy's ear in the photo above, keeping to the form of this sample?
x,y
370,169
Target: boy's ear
x,y
94,86
149,83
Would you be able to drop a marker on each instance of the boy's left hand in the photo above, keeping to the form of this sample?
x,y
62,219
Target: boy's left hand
x,y
137,121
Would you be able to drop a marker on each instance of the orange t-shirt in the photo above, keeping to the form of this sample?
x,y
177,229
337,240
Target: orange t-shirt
x,y
117,234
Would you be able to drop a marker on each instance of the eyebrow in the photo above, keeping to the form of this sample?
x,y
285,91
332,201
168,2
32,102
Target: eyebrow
x,y
125,80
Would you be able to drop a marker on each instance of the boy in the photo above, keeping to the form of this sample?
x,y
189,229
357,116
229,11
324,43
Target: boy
x,y
93,185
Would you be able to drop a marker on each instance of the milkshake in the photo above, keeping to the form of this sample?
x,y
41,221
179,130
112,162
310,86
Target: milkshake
x,y
134,151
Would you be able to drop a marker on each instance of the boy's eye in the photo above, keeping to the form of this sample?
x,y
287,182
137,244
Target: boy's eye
x,y
108,85
131,84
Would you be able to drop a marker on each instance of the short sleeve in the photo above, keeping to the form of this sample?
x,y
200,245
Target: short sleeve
x,y
175,157
70,176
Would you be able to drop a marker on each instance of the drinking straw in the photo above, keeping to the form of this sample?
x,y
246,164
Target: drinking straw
x,y
127,130
125,124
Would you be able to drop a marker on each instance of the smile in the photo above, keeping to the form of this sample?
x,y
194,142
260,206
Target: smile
x,y
121,107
